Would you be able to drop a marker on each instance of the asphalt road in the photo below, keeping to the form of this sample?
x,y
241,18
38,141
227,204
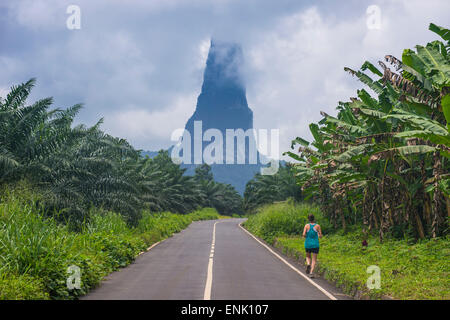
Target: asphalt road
x,y
239,268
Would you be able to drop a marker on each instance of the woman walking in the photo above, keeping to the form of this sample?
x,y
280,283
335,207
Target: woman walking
x,y
312,233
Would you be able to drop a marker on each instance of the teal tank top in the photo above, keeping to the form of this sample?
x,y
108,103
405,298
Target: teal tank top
x,y
312,238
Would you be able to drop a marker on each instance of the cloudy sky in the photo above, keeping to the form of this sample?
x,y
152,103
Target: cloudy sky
x,y
139,64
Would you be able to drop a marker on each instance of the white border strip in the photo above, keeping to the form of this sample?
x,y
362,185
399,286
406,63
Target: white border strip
x,y
148,249
329,295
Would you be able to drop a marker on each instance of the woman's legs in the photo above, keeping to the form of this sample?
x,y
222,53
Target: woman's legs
x,y
308,258
313,263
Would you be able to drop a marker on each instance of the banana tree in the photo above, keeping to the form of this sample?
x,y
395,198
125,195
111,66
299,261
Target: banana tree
x,y
384,158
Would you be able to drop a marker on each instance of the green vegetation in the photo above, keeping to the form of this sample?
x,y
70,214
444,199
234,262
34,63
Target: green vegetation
x,y
418,271
379,172
265,189
283,218
381,165
86,199
408,271
383,161
36,250
221,196
76,167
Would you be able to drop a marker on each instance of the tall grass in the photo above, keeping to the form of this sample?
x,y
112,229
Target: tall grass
x,y
284,218
36,250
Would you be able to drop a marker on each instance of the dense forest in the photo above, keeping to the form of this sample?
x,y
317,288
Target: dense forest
x,y
74,168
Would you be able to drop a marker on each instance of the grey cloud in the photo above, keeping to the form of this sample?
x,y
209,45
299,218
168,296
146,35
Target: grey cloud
x,y
135,60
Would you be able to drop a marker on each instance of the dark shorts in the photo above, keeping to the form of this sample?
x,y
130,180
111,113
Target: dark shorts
x,y
312,250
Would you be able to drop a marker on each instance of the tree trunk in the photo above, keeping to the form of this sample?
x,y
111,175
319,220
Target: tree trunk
x,y
420,230
344,226
384,212
391,219
447,202
427,209
375,214
435,205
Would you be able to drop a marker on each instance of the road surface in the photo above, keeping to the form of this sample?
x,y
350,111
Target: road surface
x,y
213,259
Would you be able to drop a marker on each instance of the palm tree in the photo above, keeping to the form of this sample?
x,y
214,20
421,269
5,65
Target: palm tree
x,y
223,197
264,189
76,167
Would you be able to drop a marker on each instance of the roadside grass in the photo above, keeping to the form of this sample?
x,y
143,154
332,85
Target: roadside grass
x,y
23,287
36,251
283,218
408,271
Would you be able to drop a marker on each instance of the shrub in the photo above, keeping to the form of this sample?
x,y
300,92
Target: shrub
x,y
204,214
